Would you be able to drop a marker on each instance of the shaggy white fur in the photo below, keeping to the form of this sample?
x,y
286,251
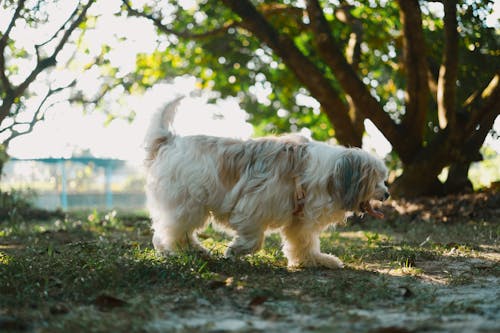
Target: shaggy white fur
x,y
287,183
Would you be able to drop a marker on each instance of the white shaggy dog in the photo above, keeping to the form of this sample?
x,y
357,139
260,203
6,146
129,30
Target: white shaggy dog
x,y
287,183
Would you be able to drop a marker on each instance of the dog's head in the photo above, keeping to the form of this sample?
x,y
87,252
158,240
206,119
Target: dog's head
x,y
357,178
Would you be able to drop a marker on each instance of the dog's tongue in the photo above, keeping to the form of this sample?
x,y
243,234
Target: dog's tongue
x,y
372,212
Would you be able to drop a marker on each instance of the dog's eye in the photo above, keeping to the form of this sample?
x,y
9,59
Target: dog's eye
x,y
386,183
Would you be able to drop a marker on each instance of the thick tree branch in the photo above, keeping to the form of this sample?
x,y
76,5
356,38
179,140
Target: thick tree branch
x,y
416,67
50,61
17,13
306,72
272,10
433,85
8,128
442,151
353,56
351,83
12,93
486,109
447,87
353,52
4,40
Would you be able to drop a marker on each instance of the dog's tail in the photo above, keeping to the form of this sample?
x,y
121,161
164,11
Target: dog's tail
x,y
160,130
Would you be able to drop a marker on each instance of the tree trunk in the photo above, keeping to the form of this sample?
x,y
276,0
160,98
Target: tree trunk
x,y
3,158
421,180
416,71
2,163
347,100
304,69
417,180
420,174
458,179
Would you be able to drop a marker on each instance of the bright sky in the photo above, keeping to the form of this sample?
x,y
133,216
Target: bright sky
x,y
67,130
64,133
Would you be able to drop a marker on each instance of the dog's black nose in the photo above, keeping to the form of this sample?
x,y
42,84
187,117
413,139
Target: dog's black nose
x,y
386,195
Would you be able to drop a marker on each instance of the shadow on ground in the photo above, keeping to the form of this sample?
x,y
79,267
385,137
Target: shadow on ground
x,y
417,271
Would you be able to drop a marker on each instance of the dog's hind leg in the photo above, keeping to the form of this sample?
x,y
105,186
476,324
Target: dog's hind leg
x,y
248,239
174,230
302,248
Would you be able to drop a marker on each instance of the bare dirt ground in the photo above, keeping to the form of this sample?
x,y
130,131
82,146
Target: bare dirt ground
x,y
428,302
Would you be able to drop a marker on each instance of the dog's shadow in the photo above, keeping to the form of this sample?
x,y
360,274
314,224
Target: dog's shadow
x,y
273,280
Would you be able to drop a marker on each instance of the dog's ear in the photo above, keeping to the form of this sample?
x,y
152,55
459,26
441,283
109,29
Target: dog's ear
x,y
347,179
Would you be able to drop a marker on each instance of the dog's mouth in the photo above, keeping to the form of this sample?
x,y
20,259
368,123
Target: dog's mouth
x,y
366,207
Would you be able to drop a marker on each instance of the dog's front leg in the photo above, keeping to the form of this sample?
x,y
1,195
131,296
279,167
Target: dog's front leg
x,y
302,248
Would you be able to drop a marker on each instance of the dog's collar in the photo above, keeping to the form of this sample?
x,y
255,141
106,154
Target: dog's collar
x,y
299,197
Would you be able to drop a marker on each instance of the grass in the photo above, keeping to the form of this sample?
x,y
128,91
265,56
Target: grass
x,y
96,271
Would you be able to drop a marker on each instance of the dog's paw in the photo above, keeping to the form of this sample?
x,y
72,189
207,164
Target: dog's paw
x,y
233,252
194,248
163,252
240,247
318,260
329,261
229,254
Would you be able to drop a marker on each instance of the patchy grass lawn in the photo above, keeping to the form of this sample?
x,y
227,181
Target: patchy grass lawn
x,y
98,273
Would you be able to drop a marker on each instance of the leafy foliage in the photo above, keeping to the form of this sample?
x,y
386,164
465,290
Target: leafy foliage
x,y
15,200
316,65
424,73
29,62
236,63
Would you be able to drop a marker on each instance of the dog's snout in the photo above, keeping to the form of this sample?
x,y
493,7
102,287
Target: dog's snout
x,y
386,195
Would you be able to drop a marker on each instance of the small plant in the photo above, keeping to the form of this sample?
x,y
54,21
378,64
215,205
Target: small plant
x,y
94,217
460,279
373,238
407,262
108,221
15,202
17,199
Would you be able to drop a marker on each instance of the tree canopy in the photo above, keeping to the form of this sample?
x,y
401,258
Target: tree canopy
x,y
24,64
424,72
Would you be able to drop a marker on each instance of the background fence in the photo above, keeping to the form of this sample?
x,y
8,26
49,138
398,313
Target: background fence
x,y
77,183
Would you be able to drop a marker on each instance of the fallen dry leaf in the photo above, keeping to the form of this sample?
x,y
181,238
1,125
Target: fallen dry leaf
x,y
257,300
107,302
